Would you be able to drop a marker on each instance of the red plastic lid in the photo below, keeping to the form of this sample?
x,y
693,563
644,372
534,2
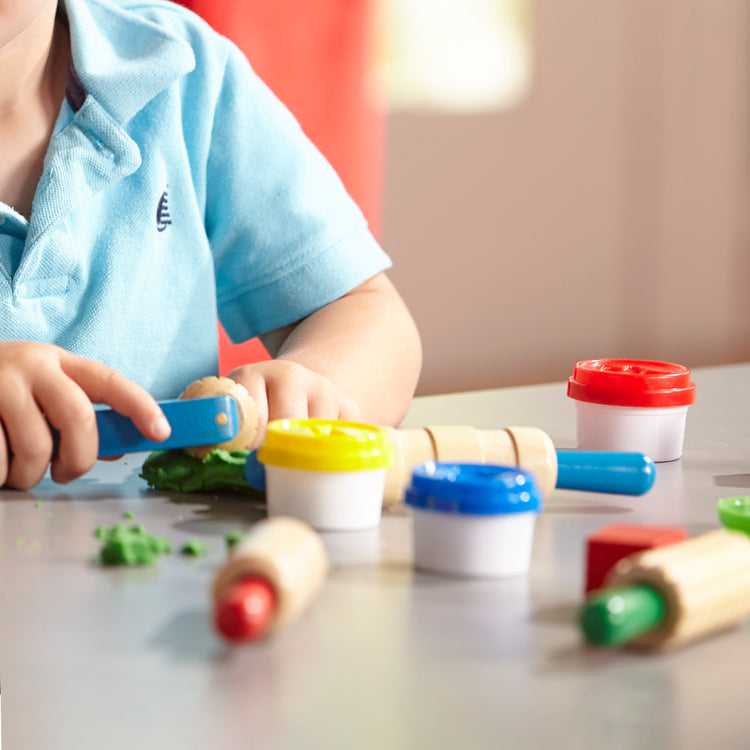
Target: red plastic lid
x,y
631,382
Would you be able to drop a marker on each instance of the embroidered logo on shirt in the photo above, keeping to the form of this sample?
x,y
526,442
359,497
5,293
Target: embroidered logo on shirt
x,y
163,219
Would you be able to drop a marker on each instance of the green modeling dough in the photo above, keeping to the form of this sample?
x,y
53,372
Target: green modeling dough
x,y
179,471
130,545
194,547
233,537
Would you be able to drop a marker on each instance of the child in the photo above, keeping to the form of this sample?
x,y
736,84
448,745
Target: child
x,y
149,181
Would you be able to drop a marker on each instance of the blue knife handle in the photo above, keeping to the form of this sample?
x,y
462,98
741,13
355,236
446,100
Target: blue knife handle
x,y
196,421
602,471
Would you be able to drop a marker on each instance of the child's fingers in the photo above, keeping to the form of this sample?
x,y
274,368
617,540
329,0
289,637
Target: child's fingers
x,y
29,440
279,385
255,385
327,403
286,400
348,409
44,387
283,390
69,410
103,385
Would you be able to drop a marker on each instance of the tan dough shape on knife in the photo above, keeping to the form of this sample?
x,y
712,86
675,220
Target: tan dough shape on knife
x,y
248,413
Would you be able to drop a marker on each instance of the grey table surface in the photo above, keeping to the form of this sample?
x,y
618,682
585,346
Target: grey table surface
x,y
386,657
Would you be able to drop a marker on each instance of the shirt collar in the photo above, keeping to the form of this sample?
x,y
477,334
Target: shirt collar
x,y
120,58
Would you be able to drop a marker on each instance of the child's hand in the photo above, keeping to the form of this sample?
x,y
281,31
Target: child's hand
x,y
286,390
43,385
356,359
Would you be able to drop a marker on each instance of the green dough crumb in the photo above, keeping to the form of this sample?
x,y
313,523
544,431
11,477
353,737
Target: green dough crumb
x,y
37,504
233,537
130,545
180,471
194,547
128,514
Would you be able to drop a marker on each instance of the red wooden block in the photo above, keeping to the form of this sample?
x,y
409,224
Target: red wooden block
x,y
609,545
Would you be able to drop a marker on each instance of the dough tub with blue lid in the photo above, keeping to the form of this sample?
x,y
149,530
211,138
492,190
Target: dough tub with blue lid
x,y
473,520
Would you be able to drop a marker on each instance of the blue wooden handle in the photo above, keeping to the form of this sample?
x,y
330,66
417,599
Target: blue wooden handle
x,y
601,471
197,421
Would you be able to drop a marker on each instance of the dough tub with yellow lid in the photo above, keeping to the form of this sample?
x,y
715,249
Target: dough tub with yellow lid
x,y
328,473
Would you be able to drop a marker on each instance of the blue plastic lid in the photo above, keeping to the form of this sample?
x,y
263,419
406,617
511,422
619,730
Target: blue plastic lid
x,y
475,489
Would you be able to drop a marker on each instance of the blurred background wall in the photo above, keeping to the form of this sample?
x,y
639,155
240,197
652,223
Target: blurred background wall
x,y
606,214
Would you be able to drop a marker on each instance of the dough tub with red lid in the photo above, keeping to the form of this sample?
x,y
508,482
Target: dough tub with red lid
x,y
631,405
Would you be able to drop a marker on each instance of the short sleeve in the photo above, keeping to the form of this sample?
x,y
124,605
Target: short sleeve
x,y
286,237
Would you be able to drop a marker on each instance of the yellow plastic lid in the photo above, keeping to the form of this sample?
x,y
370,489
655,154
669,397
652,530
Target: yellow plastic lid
x,y
325,445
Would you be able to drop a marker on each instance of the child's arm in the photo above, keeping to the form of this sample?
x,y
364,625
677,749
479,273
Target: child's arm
x,y
43,385
357,358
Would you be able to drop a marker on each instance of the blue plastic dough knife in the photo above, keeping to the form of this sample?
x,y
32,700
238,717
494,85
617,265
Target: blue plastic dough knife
x,y
196,421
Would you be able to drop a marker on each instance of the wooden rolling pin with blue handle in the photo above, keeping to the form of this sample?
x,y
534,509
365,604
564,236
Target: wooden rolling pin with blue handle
x,y
527,447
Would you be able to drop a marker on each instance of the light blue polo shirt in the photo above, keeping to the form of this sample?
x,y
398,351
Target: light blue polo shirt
x,y
176,187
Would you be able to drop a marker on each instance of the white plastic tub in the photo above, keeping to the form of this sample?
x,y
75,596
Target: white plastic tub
x,y
330,474
637,406
659,433
327,500
473,520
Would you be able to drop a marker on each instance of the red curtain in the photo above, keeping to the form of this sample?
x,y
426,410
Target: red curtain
x,y
315,55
